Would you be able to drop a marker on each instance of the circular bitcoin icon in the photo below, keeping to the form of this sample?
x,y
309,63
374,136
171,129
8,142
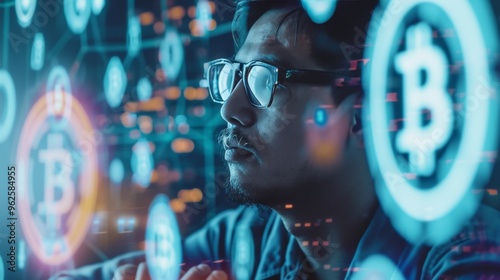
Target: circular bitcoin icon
x,y
25,9
57,183
243,253
378,267
115,82
425,170
59,97
142,163
171,54
77,13
116,171
38,52
319,11
144,89
163,241
8,91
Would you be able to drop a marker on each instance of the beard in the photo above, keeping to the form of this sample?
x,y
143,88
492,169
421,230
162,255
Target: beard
x,y
241,194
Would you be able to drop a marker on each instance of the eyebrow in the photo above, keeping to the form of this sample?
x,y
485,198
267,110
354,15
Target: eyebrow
x,y
271,59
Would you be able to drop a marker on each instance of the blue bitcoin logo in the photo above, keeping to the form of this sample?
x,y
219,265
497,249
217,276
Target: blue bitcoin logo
x,y
38,52
423,56
115,82
426,171
163,242
77,13
24,11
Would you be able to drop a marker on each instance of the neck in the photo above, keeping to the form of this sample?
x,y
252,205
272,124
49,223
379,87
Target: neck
x,y
328,225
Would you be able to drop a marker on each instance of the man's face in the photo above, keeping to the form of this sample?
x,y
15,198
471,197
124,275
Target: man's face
x,y
283,152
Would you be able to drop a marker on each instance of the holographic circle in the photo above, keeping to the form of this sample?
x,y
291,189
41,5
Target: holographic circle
x,y
203,15
7,117
115,82
77,13
38,52
144,89
142,163
116,171
163,241
97,6
25,9
59,97
243,254
378,267
320,11
134,36
437,213
57,182
171,54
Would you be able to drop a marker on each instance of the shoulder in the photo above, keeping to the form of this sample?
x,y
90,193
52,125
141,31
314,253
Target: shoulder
x,y
474,252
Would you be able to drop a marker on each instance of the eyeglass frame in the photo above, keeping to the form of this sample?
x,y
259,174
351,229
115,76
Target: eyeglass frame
x,y
283,75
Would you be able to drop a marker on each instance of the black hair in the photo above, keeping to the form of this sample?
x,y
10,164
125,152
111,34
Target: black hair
x,y
334,43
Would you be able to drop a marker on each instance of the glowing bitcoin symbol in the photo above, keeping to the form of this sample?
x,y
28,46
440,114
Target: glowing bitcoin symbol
x,y
61,179
415,139
38,52
163,247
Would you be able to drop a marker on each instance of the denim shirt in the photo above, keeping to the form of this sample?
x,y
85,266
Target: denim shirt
x,y
474,253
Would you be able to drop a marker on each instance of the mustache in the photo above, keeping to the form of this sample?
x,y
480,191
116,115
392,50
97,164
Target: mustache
x,y
231,135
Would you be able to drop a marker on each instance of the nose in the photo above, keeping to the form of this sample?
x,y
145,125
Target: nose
x,y
237,110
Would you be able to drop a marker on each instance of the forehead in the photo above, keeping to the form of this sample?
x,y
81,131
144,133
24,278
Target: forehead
x,y
277,42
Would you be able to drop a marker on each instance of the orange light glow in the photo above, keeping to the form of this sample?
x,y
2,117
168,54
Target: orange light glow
x,y
146,18
182,145
176,13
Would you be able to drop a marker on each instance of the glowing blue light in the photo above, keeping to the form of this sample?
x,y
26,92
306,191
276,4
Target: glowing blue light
x,y
116,171
131,224
134,36
319,11
180,119
97,6
2,272
378,267
203,15
422,55
120,223
59,97
243,253
77,13
21,255
38,52
163,241
142,163
115,82
321,117
433,214
7,117
144,89
171,54
24,11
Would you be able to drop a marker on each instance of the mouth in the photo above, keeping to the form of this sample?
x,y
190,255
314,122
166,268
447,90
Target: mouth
x,y
238,154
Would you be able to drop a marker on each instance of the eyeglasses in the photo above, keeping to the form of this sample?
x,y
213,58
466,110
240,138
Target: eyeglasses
x,y
260,79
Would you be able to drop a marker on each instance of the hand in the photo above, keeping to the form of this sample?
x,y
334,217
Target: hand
x,y
200,272
204,272
132,272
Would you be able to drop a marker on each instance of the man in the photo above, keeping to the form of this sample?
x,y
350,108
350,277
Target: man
x,y
294,145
